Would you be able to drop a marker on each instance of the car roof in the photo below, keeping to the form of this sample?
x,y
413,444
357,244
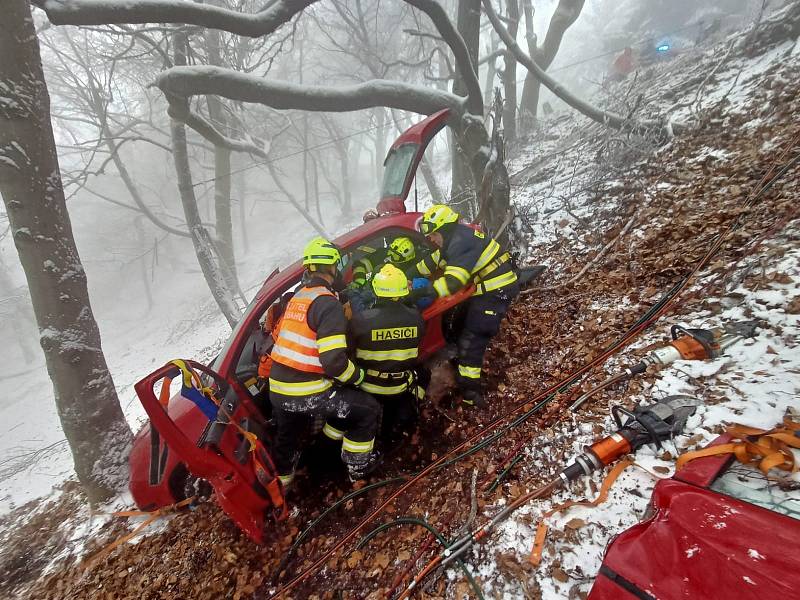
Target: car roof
x,y
370,228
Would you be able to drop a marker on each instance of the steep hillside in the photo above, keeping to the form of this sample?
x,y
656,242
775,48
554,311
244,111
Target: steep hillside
x,y
620,220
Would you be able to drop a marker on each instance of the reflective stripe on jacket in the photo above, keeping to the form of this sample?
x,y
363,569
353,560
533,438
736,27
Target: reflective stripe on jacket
x,y
311,346
296,346
468,256
386,340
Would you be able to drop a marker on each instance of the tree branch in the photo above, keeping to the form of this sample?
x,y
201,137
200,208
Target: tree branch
x,y
281,95
589,110
456,43
106,12
179,110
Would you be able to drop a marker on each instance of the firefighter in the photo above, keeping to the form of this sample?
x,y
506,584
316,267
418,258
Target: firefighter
x,y
310,369
401,253
469,256
386,339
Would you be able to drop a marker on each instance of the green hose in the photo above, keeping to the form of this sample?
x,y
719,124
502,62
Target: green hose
x,y
504,472
302,536
422,523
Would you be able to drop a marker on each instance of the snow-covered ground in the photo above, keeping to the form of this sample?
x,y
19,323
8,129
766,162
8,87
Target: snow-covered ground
x,y
753,383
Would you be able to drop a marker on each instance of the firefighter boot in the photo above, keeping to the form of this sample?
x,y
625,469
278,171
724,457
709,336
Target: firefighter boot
x,y
361,464
473,397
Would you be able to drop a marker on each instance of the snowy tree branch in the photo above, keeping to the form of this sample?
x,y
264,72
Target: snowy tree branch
x,y
107,12
179,110
453,39
585,108
281,95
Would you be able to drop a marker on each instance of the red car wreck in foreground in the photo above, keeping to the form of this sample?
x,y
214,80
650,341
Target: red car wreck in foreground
x,y
704,537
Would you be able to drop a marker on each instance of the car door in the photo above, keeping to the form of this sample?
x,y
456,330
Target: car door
x,y
400,166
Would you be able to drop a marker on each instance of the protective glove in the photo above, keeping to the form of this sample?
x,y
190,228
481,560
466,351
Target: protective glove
x,y
419,283
425,302
422,293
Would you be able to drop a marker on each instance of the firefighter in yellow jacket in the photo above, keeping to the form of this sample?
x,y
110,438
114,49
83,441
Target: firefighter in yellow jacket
x,y
466,256
311,372
386,338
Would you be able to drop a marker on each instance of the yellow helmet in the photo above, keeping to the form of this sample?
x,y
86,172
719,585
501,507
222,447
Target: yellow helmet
x,y
436,217
401,250
390,282
320,251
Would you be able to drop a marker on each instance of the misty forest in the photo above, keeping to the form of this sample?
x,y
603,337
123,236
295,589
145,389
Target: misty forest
x,y
345,299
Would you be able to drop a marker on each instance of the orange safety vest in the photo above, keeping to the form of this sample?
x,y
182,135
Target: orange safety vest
x,y
296,345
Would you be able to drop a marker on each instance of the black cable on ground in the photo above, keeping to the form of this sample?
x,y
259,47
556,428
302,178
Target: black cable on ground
x,y
302,536
504,472
422,523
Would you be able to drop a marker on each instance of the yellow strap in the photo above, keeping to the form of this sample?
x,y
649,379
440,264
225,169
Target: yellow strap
x,y
91,561
769,449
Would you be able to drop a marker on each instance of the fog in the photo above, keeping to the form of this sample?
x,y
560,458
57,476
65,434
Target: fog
x,y
147,290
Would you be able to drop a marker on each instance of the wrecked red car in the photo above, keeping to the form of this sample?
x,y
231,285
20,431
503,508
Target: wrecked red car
x,y
230,449
716,529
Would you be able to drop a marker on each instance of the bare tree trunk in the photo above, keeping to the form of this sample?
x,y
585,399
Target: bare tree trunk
x,y
491,70
344,170
240,181
380,142
315,183
437,195
510,76
564,16
30,182
203,244
222,171
293,200
462,189
137,225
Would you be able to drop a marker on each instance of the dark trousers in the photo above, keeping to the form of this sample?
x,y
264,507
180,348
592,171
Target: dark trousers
x,y
482,323
399,414
353,412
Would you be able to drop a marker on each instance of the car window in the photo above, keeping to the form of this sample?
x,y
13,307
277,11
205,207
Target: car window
x,y
396,168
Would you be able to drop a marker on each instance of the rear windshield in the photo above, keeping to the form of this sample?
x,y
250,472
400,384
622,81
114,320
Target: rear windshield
x,y
396,168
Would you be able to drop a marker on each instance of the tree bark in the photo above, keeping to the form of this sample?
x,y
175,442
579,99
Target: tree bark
x,y
203,244
222,172
380,142
30,182
510,76
491,70
565,14
462,188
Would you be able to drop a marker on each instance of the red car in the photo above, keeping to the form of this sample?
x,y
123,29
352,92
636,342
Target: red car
x,y
716,529
231,451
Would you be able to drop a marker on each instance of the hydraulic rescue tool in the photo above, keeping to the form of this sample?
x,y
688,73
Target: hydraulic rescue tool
x,y
686,344
654,424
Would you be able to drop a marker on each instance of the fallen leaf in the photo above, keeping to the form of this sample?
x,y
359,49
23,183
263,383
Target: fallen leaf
x,y
575,524
560,575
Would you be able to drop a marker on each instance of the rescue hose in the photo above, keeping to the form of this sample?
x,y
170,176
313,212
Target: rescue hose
x,y
624,375
303,534
546,395
422,523
460,546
